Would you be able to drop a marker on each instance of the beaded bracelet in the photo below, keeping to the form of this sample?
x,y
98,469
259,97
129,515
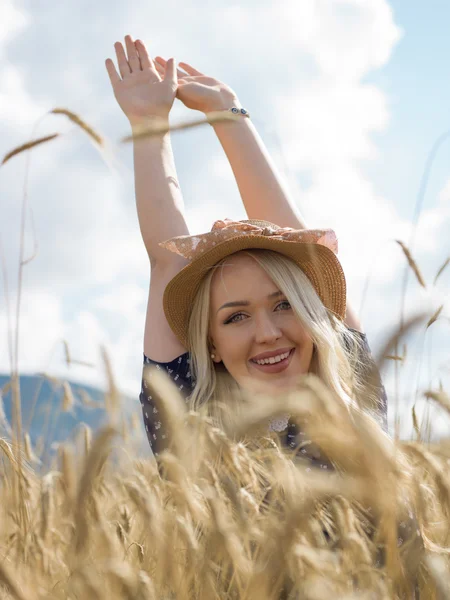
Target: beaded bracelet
x,y
239,111
235,111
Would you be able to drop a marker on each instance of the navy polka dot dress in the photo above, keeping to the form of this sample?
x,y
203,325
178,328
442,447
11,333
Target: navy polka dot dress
x,y
180,372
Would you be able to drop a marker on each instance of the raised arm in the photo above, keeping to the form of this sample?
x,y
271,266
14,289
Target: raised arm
x,y
145,98
263,192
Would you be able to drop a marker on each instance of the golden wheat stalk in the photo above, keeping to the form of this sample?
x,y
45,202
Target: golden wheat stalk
x,y
395,337
112,394
4,423
161,126
67,353
441,398
46,504
9,583
93,463
68,400
29,452
437,567
87,439
28,146
68,472
80,123
73,361
416,423
412,263
171,407
6,388
441,270
7,451
435,317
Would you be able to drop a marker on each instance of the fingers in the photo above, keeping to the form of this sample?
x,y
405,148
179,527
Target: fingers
x,y
161,71
160,65
190,69
171,72
133,57
112,72
137,59
124,67
146,61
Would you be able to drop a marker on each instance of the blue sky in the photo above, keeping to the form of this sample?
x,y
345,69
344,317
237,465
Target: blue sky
x,y
349,96
417,82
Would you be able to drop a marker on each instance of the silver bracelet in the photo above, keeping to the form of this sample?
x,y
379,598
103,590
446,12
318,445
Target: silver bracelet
x,y
239,111
233,109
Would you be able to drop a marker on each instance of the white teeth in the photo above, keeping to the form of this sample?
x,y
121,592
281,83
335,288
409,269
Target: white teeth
x,y
272,359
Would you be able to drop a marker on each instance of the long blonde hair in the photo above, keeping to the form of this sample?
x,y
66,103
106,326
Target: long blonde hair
x,y
336,348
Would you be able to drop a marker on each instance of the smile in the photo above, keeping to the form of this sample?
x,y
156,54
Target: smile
x,y
274,364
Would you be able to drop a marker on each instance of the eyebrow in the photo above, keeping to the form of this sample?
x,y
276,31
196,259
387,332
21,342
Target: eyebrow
x,y
246,302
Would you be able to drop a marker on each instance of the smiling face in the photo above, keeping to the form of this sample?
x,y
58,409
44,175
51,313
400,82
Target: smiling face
x,y
250,320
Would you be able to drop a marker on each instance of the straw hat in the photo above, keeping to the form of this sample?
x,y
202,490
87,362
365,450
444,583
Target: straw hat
x,y
313,250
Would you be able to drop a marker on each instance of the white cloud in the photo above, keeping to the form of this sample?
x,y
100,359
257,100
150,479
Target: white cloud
x,y
41,325
12,21
18,109
345,25
326,123
127,298
433,225
86,230
327,31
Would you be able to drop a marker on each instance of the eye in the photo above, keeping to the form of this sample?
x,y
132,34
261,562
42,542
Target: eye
x,y
233,318
286,303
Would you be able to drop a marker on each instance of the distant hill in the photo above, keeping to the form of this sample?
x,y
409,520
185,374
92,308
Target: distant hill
x,y
46,422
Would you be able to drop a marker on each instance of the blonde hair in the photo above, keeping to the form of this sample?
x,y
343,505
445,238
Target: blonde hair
x,y
335,359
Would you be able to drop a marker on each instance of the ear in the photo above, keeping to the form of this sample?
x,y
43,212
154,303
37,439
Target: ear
x,y
213,350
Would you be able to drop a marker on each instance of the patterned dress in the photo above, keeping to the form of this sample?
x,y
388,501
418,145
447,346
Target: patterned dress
x,y
180,373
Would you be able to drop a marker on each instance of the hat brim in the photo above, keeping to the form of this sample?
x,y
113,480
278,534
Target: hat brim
x,y
318,262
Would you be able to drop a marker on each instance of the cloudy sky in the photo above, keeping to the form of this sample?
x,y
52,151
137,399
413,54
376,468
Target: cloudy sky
x,y
350,97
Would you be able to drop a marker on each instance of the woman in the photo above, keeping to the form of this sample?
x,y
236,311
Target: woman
x,y
288,282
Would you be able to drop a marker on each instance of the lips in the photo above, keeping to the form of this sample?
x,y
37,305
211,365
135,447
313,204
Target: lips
x,y
277,367
270,354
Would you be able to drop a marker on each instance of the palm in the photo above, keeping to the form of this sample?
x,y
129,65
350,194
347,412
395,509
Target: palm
x,y
196,90
139,89
135,94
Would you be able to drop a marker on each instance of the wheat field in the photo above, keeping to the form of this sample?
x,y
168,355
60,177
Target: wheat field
x,y
230,514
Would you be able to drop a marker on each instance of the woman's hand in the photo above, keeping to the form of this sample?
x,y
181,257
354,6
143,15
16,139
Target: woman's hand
x,y
198,91
140,91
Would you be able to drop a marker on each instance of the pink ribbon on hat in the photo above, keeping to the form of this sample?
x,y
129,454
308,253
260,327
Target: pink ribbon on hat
x,y
193,246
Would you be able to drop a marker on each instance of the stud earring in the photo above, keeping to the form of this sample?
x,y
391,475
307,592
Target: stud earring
x,y
213,356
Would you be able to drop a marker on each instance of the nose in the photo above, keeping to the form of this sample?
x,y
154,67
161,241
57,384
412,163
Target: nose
x,y
266,330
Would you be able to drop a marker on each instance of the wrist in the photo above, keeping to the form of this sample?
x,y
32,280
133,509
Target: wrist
x,y
149,122
223,102
233,114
